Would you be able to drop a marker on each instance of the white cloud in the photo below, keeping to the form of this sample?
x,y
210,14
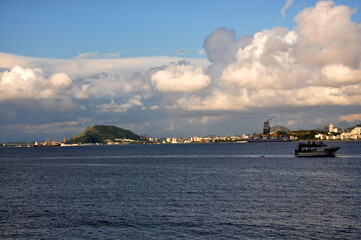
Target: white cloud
x,y
80,67
111,55
60,81
179,52
87,55
340,75
307,66
123,107
285,7
328,36
27,83
351,117
180,77
21,83
267,62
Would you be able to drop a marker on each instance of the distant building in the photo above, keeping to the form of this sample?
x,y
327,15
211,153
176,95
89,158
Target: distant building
x,y
321,136
266,128
356,130
245,136
196,139
330,127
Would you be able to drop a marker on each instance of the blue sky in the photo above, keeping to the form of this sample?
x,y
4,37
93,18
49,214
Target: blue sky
x,y
177,68
64,29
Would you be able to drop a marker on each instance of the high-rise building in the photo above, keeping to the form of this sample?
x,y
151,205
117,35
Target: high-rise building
x,y
266,128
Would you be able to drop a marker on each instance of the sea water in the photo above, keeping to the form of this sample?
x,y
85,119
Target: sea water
x,y
177,191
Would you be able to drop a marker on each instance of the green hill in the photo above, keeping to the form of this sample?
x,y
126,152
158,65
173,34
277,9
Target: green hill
x,y
98,133
279,129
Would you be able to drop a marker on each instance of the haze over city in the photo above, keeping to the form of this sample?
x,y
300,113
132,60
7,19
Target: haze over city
x,y
177,68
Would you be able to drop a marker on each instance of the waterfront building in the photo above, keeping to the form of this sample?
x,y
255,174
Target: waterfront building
x,y
321,136
330,127
356,130
196,139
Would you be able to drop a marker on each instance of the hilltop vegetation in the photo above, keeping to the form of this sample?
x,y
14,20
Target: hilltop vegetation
x,y
99,133
279,129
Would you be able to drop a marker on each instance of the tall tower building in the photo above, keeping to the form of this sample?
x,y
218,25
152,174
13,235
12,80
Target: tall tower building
x,y
330,128
266,128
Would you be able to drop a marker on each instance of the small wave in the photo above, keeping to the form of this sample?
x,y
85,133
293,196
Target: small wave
x,y
348,156
171,156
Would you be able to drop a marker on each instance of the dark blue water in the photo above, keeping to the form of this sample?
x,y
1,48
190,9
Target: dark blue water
x,y
205,191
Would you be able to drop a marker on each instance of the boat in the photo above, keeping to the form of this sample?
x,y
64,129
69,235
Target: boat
x,y
315,149
47,143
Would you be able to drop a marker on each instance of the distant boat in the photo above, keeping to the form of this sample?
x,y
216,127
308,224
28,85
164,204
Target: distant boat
x,y
47,143
315,149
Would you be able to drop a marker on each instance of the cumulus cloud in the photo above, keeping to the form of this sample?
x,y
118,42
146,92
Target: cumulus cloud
x,y
328,36
27,83
266,62
180,77
221,46
316,64
60,81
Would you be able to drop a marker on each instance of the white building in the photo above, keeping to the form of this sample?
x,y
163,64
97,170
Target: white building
x,y
330,127
356,130
321,136
196,139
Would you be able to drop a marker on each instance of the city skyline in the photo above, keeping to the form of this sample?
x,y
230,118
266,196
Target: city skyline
x,y
163,68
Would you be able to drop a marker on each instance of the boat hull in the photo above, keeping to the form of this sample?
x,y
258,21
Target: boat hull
x,y
325,152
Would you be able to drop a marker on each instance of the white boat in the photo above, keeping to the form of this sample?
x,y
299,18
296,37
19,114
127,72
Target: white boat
x,y
315,149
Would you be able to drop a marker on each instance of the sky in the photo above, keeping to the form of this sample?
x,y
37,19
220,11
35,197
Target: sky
x,y
177,68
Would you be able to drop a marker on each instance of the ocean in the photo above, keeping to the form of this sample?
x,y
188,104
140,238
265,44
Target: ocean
x,y
180,191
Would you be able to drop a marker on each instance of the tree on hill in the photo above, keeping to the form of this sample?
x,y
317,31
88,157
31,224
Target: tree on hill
x,y
99,133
